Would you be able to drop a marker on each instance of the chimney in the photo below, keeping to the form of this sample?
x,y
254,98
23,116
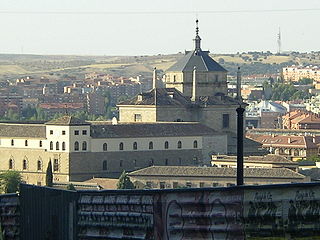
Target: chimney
x,y
154,79
239,84
194,84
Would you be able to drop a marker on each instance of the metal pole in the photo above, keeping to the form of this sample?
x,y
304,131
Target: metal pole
x,y
240,110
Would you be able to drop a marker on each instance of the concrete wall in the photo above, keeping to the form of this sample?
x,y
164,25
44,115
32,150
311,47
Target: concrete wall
x,y
148,113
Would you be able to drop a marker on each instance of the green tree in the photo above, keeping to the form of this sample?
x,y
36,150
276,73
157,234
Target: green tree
x,y
10,181
71,187
49,175
125,182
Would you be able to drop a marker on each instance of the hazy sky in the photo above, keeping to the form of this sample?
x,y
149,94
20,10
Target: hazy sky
x,y
138,27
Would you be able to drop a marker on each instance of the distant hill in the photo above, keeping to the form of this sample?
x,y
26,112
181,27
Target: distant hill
x,y
17,65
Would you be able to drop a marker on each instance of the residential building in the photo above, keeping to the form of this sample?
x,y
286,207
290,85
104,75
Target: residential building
x,y
296,73
301,120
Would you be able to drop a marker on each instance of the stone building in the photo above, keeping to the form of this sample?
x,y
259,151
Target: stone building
x,y
81,150
195,90
181,177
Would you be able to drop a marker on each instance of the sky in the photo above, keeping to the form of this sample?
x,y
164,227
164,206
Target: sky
x,y
150,27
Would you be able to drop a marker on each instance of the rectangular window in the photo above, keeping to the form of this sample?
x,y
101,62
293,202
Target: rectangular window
x,y
51,132
55,165
201,184
63,132
175,185
162,185
137,118
84,132
225,120
76,132
188,184
149,184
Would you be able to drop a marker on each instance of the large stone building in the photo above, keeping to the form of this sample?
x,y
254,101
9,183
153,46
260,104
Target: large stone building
x,y
81,150
195,90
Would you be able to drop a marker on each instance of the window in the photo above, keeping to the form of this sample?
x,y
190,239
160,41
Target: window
x,y
149,184
26,143
104,147
63,132
84,146
121,146
24,164
216,78
135,146
40,143
76,132
137,118
162,185
57,146
215,184
51,145
175,185
121,163
201,184
195,144
39,165
180,161
51,132
134,162
12,142
76,146
151,162
174,78
166,162
10,164
179,145
195,160
166,145
150,145
105,165
188,184
84,132
63,146
55,165
225,120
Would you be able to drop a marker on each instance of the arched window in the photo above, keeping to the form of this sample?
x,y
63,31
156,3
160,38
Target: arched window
x,y
24,164
84,146
40,143
135,146
166,162
55,165
76,146
135,162
150,145
12,142
57,146
10,163
180,161
51,145
39,165
63,146
179,145
121,146
105,147
121,163
105,165
195,144
166,145
26,143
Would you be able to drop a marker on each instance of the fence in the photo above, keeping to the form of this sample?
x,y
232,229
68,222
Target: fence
x,y
288,211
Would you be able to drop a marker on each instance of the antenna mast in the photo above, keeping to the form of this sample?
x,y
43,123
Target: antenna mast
x,y
279,41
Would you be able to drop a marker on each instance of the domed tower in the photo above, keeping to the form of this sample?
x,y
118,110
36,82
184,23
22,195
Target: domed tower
x,y
211,77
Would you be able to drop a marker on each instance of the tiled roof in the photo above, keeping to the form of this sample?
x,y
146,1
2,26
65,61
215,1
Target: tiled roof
x,y
286,140
22,130
270,158
199,59
104,183
173,97
150,130
67,121
184,171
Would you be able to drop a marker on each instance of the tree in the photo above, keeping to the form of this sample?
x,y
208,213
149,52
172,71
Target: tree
x,y
71,187
125,182
49,175
10,181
